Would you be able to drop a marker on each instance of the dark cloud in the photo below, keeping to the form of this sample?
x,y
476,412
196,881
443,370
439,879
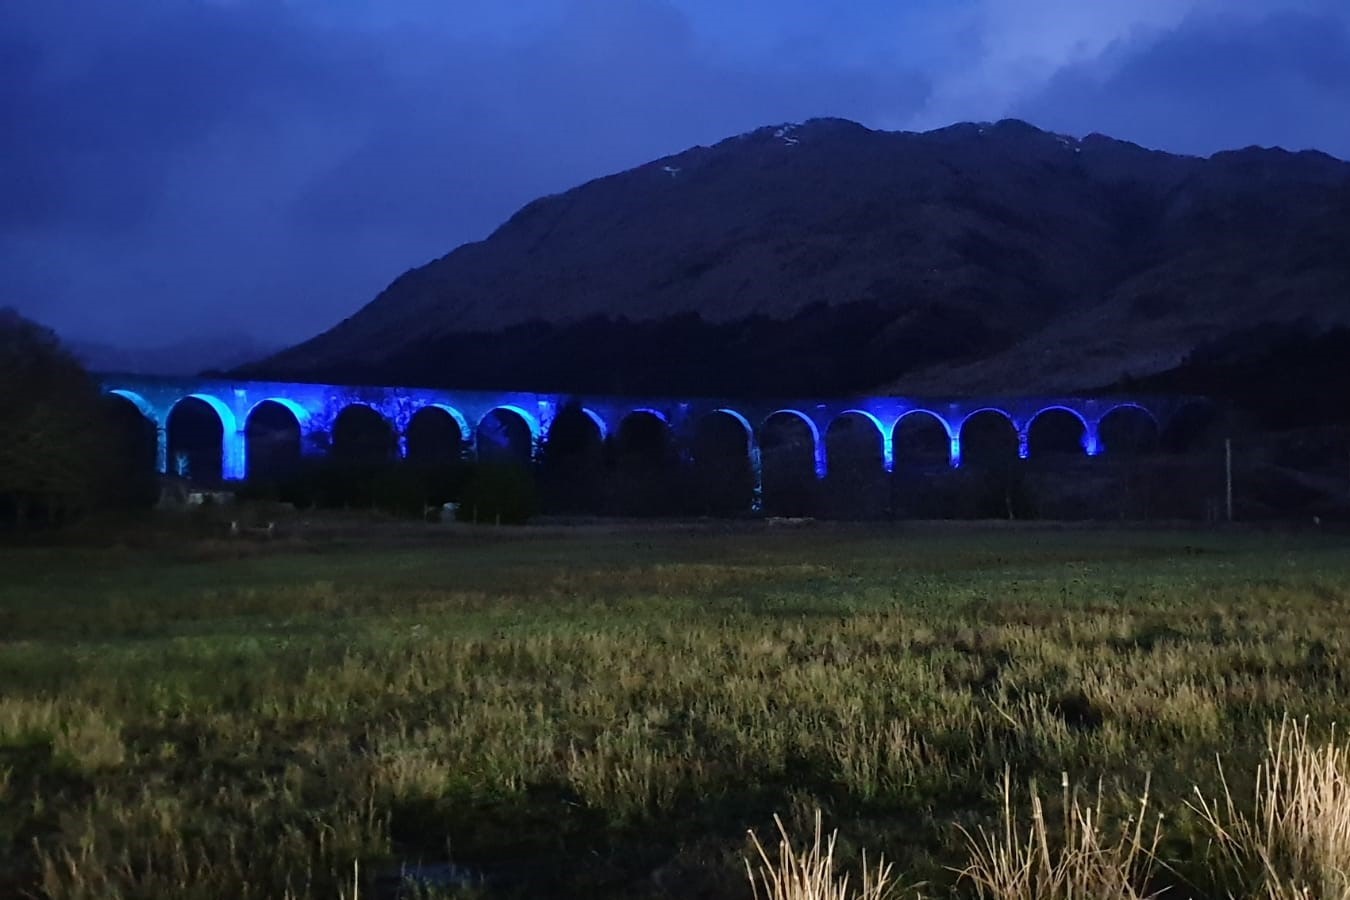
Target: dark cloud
x,y
1216,82
174,167
106,101
484,129
237,163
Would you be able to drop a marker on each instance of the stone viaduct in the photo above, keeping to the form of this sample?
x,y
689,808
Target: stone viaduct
x,y
484,419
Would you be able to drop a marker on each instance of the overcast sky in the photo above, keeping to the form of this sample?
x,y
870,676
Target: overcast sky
x,y
178,168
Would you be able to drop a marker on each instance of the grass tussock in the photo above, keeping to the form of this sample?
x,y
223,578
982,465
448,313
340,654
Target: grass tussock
x,y
79,736
1084,857
808,873
1294,843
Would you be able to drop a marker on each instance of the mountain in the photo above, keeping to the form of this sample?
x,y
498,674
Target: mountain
x,y
189,357
827,257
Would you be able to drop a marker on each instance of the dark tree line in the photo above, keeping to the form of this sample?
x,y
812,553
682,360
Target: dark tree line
x,y
65,449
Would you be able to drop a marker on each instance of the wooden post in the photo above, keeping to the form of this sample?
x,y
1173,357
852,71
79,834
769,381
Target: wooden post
x,y
1228,477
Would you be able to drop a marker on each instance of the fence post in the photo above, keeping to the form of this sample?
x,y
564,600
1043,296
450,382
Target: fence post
x,y
1228,477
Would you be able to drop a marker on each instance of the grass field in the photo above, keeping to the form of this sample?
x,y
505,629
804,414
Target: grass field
x,y
604,711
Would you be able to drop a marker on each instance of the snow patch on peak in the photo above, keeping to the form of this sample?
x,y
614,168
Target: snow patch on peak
x,y
1069,142
672,171
786,134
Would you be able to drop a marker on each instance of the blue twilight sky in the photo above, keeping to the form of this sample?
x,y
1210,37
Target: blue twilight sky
x,y
175,168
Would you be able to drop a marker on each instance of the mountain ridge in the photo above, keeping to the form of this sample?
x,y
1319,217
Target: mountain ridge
x,y
976,258
185,357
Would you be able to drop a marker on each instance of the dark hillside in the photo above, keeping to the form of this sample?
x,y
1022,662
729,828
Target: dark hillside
x,y
1285,377
826,258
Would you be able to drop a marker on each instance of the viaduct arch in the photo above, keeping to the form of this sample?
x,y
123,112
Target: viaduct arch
x,y
782,433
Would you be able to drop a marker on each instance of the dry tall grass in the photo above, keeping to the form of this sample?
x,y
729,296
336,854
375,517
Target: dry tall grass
x,y
1088,860
808,873
1294,844
1296,841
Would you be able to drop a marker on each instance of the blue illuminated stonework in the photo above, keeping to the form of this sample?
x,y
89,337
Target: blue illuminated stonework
x,y
316,407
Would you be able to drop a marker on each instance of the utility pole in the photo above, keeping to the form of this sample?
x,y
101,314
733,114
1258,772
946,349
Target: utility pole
x,y
1228,477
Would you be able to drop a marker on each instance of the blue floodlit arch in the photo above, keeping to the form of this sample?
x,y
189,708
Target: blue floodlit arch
x,y
301,414
1089,442
531,422
358,404
817,444
953,436
531,425
405,420
1128,404
960,432
390,424
161,426
752,454
601,429
232,463
460,422
298,412
1073,412
920,411
227,420
984,409
655,414
745,423
1131,405
648,411
138,401
600,425
887,446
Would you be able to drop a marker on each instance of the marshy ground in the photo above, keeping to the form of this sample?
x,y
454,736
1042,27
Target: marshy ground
x,y
604,710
